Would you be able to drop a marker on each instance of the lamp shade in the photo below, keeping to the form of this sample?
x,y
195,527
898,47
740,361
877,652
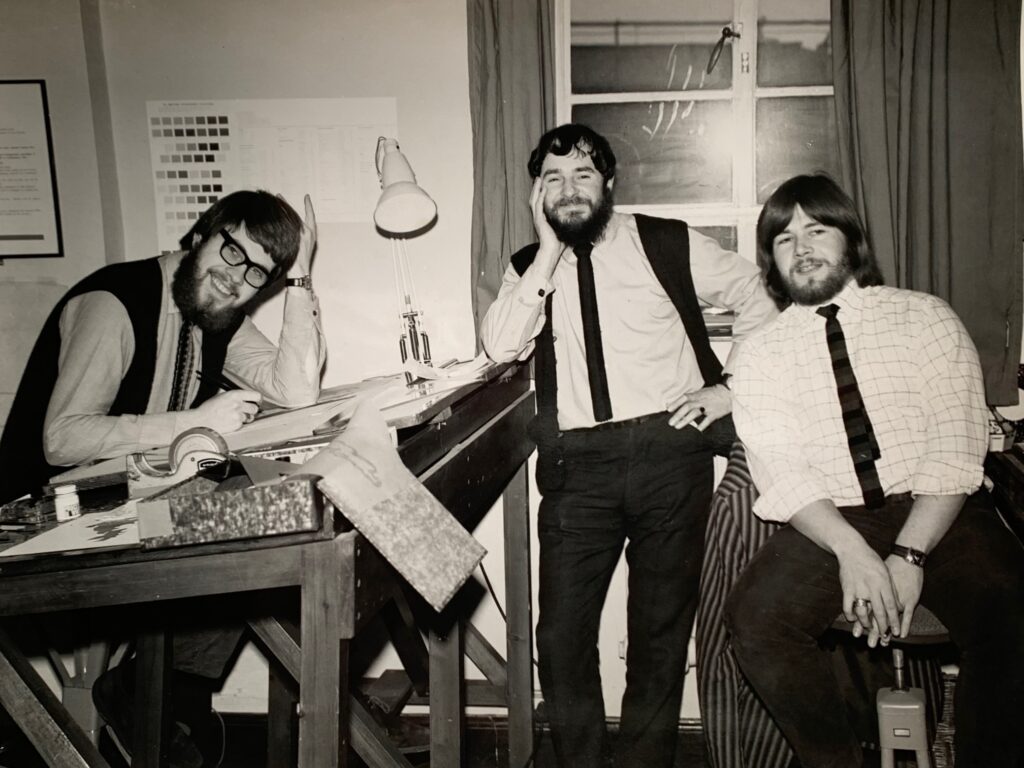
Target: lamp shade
x,y
403,206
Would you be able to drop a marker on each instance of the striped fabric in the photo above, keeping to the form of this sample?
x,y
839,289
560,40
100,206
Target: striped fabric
x,y
738,731
183,365
859,434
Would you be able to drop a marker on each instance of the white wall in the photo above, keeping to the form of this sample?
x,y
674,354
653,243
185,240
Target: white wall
x,y
252,49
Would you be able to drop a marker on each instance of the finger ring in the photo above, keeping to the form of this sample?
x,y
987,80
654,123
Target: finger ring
x,y
860,602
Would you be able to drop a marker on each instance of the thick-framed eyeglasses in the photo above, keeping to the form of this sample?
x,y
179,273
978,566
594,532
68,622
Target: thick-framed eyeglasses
x,y
234,255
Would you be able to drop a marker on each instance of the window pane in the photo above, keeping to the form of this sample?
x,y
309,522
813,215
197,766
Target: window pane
x,y
794,135
647,45
667,152
726,236
794,43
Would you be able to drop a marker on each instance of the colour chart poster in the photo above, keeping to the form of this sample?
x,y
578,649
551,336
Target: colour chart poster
x,y
202,150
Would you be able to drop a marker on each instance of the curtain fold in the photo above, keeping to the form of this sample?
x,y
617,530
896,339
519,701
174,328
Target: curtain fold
x,y
929,119
511,82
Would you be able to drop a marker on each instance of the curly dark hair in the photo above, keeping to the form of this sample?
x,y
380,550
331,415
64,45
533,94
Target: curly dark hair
x,y
574,136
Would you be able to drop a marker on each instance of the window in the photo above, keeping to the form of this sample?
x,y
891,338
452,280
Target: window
x,y
705,147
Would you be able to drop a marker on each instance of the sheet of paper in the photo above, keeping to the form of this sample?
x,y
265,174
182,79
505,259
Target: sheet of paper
x,y
117,527
203,149
286,425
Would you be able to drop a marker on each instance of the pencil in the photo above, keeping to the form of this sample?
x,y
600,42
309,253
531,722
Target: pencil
x,y
223,382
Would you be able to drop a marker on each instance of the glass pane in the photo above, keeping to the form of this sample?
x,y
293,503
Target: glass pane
x,y
726,236
794,43
793,136
667,152
648,45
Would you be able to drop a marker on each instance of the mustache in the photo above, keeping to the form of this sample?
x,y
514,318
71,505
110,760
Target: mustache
x,y
574,200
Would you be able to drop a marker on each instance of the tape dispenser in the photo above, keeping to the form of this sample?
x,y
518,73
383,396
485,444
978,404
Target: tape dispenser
x,y
193,451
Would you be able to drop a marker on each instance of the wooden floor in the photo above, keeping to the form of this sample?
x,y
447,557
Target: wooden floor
x,y
486,740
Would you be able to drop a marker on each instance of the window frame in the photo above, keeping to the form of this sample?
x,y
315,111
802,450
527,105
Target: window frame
x,y
742,212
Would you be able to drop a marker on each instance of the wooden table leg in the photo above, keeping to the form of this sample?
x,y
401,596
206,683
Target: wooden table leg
x,y
281,704
152,679
446,697
323,676
33,706
519,632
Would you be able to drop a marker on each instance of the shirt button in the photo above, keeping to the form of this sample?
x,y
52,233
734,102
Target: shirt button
x,y
540,292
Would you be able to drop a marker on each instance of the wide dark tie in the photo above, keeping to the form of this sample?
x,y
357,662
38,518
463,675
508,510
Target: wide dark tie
x,y
859,434
592,334
182,370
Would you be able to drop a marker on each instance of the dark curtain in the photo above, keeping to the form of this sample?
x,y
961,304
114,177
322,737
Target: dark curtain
x,y
929,118
511,94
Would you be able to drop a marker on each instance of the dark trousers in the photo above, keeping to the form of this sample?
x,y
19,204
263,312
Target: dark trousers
x,y
650,485
973,582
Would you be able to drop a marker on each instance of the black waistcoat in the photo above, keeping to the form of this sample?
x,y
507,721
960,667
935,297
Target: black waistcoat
x,y
666,244
138,285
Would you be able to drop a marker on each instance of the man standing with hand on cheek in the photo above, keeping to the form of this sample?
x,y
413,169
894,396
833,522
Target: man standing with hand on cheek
x,y
132,355
627,384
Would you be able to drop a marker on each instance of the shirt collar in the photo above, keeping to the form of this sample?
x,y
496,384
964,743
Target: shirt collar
x,y
850,298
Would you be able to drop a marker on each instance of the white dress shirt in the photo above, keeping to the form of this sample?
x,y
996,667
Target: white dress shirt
x,y
649,360
920,380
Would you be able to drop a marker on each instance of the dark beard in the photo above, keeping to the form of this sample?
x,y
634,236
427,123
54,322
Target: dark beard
x,y
185,290
584,230
820,291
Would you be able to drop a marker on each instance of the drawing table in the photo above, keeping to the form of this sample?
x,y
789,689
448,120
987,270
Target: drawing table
x,y
472,452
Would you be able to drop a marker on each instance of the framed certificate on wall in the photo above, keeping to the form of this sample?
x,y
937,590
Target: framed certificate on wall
x,y
29,215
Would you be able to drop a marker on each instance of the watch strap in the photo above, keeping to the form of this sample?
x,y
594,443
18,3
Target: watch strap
x,y
912,556
306,281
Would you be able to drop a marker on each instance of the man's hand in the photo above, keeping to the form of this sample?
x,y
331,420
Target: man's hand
x,y
869,600
550,247
907,580
700,408
307,244
228,411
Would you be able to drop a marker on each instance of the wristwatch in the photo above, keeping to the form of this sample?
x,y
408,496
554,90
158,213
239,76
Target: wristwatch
x,y
912,556
306,281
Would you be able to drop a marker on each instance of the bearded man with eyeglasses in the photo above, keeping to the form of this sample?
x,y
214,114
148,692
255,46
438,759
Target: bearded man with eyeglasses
x,y
134,355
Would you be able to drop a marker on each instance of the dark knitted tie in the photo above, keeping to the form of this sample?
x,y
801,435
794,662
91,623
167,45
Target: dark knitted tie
x,y
592,334
859,434
182,370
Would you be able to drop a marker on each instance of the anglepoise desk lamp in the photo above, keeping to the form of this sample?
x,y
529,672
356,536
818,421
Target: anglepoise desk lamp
x,y
403,210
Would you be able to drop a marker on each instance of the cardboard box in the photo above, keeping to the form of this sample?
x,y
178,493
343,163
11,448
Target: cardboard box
x,y
195,512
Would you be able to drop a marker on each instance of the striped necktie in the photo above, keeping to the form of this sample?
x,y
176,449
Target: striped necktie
x,y
859,434
592,334
182,370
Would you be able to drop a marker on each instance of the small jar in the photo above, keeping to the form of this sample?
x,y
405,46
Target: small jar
x,y
65,502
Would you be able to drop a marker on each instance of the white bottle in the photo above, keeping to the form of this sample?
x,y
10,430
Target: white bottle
x,y
65,502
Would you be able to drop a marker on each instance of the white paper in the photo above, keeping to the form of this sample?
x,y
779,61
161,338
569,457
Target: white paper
x,y
202,150
93,530
28,213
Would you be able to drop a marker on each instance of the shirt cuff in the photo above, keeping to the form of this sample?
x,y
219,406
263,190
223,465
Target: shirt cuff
x,y
946,478
789,494
533,288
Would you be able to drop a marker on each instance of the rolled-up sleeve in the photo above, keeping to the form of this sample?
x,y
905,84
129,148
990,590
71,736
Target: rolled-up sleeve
x,y
954,399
